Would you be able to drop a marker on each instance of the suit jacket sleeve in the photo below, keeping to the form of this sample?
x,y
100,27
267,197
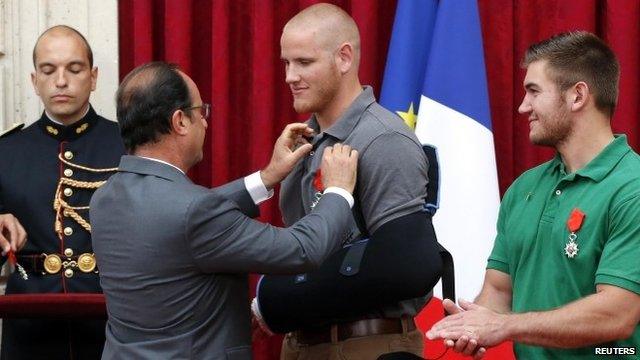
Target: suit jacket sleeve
x,y
237,192
222,239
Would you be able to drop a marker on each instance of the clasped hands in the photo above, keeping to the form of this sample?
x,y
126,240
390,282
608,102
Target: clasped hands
x,y
470,328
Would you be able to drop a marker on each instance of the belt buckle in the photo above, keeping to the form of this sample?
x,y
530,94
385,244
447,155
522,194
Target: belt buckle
x,y
52,263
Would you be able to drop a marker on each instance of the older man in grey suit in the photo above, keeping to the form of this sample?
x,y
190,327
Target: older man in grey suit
x,y
173,256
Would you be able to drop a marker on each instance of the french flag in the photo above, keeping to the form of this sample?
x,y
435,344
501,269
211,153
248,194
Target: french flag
x,y
435,79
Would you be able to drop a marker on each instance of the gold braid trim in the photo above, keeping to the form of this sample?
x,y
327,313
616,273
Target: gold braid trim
x,y
85,167
61,207
81,184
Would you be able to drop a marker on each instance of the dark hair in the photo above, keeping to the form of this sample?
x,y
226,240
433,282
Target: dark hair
x,y
580,56
146,100
69,29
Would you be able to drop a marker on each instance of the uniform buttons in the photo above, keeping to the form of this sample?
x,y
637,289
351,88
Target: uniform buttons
x,y
68,155
68,273
68,252
68,192
558,192
68,231
311,153
68,172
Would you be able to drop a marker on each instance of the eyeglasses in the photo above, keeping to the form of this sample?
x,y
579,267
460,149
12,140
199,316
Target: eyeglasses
x,y
205,110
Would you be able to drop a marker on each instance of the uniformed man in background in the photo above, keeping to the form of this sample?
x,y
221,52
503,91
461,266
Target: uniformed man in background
x,y
48,172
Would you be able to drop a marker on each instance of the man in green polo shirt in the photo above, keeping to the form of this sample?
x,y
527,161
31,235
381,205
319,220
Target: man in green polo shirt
x,y
563,279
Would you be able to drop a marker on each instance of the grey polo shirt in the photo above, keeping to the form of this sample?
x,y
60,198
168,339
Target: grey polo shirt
x,y
392,173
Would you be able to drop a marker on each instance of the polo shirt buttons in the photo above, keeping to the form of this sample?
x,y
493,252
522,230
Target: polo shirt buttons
x,y
558,192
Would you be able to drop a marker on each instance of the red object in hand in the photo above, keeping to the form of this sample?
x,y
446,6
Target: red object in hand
x,y
317,181
575,220
11,257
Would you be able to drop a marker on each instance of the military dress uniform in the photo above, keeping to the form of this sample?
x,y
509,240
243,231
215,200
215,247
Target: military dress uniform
x,y
48,173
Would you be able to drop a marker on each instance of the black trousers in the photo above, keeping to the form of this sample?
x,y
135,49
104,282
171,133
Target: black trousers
x,y
52,339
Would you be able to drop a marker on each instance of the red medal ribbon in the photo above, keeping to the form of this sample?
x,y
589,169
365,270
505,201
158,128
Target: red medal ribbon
x,y
11,257
317,182
575,220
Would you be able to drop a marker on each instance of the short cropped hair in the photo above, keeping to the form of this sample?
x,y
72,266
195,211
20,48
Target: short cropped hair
x,y
146,100
580,56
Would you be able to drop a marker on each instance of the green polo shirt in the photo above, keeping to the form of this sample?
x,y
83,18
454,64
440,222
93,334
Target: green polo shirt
x,y
533,232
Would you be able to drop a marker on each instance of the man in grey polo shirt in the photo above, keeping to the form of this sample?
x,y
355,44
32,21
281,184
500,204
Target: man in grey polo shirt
x,y
320,47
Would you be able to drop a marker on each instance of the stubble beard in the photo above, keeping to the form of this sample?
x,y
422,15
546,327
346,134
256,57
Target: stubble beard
x,y
555,128
324,94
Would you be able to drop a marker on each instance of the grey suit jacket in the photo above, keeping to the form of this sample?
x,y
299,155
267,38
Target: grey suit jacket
x,y
173,259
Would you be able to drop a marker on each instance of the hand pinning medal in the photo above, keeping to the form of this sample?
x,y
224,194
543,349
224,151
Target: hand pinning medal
x,y
573,223
317,184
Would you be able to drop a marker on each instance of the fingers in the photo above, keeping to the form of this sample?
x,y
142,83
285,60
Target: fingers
x,y
480,353
449,343
470,348
467,305
466,346
8,232
301,152
21,239
12,234
461,344
450,307
453,334
4,244
294,130
341,149
339,166
450,322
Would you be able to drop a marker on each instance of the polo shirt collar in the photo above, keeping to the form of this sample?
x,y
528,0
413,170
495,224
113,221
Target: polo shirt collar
x,y
348,120
603,163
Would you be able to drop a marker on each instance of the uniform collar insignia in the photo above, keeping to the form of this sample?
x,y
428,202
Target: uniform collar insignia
x,y
82,128
71,132
51,130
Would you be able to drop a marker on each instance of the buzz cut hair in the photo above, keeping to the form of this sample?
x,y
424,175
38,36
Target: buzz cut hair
x,y
69,30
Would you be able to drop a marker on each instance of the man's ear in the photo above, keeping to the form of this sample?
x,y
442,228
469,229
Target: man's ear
x,y
580,96
179,122
94,78
345,57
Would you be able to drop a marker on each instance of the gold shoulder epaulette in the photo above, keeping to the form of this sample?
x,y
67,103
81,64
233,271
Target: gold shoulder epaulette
x,y
12,129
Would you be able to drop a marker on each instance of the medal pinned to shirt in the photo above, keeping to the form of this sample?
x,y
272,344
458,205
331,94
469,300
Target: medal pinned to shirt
x,y
576,218
317,184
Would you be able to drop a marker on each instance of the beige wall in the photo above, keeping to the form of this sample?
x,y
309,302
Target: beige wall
x,y
21,21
